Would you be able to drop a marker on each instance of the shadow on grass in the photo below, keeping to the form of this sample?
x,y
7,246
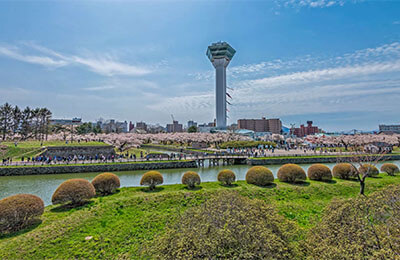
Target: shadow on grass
x,y
330,181
99,195
301,183
233,185
69,206
351,179
268,186
156,189
34,223
192,189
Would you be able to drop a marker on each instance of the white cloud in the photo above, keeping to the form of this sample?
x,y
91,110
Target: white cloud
x,y
396,22
41,60
103,65
100,88
314,76
314,3
352,81
123,87
383,53
108,67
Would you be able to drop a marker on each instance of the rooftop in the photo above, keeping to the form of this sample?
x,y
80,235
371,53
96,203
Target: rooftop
x,y
220,50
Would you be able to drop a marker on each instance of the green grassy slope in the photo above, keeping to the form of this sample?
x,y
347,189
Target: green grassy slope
x,y
119,225
16,153
34,148
35,144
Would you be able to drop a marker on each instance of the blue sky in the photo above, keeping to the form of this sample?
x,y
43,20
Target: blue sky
x,y
335,62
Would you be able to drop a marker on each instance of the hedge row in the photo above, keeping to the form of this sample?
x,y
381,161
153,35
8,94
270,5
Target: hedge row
x,y
20,210
76,192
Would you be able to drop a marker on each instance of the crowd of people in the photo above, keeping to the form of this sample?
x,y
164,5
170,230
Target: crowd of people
x,y
261,151
265,151
98,158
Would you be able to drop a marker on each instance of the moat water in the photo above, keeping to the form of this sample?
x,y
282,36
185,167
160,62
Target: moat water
x,y
44,185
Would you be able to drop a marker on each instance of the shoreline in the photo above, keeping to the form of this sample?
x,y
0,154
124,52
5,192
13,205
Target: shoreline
x,y
158,165
112,167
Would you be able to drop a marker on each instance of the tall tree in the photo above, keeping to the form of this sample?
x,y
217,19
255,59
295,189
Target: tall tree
x,y
36,122
5,119
46,116
16,119
26,123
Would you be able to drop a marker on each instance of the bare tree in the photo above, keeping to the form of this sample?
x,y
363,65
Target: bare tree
x,y
364,166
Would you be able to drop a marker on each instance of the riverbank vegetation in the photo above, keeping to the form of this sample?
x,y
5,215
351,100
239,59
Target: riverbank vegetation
x,y
134,221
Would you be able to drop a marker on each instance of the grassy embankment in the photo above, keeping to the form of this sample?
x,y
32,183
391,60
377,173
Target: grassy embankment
x,y
34,148
118,226
133,151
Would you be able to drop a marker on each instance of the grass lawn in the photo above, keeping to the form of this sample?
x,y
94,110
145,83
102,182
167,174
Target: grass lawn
x,y
396,149
121,224
176,146
17,153
201,151
36,144
135,151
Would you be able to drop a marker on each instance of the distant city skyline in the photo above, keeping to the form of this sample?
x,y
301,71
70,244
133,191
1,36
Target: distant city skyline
x,y
334,62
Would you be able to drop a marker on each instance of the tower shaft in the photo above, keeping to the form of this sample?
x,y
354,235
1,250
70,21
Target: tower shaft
x,y
220,91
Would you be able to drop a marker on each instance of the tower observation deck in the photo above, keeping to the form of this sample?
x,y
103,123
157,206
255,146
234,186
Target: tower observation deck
x,y
220,54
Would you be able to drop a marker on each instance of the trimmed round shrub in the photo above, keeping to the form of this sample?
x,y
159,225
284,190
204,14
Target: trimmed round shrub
x,y
227,226
344,171
370,169
191,179
226,177
18,211
319,172
390,168
259,175
74,192
151,179
291,173
106,183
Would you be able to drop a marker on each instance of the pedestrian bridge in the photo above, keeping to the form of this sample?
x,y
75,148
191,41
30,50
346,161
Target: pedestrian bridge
x,y
215,160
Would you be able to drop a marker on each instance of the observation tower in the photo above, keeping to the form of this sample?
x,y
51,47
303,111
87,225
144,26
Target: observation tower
x,y
220,54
